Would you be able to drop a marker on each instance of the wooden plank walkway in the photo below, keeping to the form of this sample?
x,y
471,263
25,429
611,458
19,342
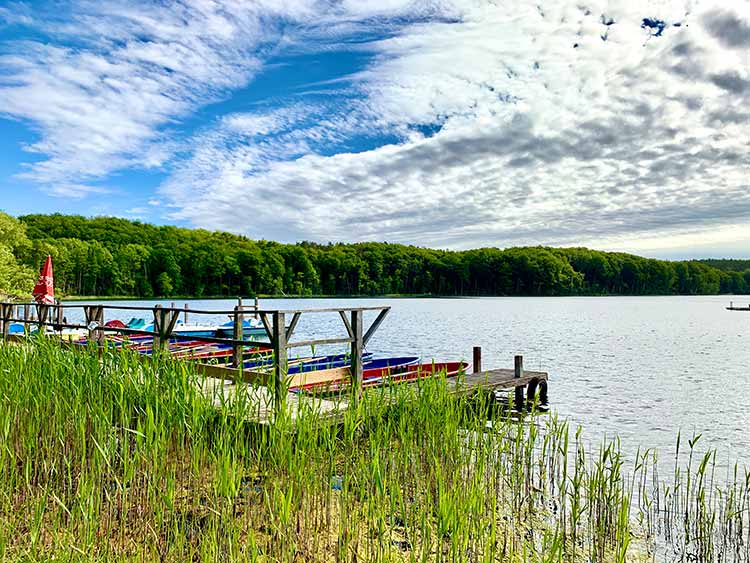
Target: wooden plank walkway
x,y
223,393
493,380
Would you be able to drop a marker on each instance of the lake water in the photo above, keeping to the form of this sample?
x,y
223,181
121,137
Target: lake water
x,y
642,368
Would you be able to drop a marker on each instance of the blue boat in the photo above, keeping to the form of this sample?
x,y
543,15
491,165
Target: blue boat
x,y
250,327
397,362
314,363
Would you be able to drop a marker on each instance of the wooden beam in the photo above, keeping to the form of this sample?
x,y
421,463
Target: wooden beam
x,y
357,346
237,334
518,402
267,326
374,326
347,324
6,312
279,361
292,325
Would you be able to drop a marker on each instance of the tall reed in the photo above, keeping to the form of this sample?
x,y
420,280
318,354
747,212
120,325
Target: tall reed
x,y
105,457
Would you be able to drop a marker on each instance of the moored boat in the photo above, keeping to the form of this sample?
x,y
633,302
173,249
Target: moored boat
x,y
383,376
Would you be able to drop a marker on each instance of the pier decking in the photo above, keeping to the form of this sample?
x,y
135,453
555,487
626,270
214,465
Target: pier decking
x,y
266,391
223,386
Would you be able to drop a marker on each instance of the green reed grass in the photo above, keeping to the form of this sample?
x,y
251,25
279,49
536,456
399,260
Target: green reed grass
x,y
106,457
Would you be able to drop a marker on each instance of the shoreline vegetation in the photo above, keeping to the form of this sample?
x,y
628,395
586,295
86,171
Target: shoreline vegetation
x,y
108,257
110,458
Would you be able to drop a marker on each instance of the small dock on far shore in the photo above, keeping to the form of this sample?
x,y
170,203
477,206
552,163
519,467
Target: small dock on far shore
x,y
733,307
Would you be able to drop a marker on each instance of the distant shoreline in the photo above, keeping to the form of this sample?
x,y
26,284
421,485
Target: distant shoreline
x,y
385,296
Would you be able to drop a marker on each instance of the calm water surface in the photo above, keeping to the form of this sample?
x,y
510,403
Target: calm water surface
x,y
642,368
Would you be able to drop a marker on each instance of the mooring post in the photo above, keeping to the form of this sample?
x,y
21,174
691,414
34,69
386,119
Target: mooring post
x,y
186,314
357,345
477,360
518,374
158,319
42,316
237,334
59,317
94,315
280,361
25,313
99,334
6,312
257,306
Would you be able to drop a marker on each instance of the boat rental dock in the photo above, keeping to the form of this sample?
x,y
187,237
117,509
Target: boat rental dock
x,y
274,384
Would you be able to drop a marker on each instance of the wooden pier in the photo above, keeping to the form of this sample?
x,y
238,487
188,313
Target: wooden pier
x,y
732,307
267,391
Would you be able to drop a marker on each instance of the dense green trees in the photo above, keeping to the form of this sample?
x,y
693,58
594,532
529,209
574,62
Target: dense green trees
x,y
108,256
15,277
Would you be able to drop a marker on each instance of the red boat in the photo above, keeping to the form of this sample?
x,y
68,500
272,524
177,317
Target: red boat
x,y
388,376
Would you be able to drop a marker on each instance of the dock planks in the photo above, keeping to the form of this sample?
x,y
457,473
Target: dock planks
x,y
224,392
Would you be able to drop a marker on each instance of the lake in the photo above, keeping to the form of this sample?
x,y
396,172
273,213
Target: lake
x,y
642,368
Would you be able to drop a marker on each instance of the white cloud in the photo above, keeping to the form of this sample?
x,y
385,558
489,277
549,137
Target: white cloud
x,y
104,95
560,125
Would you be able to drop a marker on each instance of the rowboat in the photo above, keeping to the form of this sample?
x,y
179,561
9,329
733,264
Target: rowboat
x,y
382,376
312,363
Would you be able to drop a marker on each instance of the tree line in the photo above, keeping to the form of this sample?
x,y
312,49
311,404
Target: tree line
x,y
107,256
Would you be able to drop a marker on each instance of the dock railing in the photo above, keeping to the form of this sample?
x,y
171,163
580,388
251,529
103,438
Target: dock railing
x,y
279,326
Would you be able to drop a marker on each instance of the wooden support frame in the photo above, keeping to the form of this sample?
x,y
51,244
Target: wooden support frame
x,y
94,315
518,399
280,354
42,314
165,319
375,325
164,323
238,320
358,342
6,313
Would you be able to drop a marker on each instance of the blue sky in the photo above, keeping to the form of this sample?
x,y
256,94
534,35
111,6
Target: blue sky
x,y
620,125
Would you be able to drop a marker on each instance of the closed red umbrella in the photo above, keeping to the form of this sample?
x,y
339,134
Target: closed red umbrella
x,y
44,291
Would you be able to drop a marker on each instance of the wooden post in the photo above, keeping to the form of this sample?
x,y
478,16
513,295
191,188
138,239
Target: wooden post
x,y
357,345
158,319
59,316
280,360
185,320
477,363
94,319
42,316
6,312
518,398
25,314
237,334
257,306
164,323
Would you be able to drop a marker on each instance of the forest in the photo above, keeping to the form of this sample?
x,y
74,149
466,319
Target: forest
x,y
107,256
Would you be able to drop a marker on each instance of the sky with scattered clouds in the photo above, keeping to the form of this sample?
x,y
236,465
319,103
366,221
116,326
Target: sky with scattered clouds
x,y
615,124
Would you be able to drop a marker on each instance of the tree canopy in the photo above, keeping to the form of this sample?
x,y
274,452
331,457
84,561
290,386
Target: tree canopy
x,y
109,256
16,278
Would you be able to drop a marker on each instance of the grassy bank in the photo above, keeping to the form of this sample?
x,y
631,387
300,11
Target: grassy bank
x,y
114,460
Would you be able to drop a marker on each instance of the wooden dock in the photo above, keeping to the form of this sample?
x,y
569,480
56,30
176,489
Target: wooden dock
x,y
267,392
223,386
